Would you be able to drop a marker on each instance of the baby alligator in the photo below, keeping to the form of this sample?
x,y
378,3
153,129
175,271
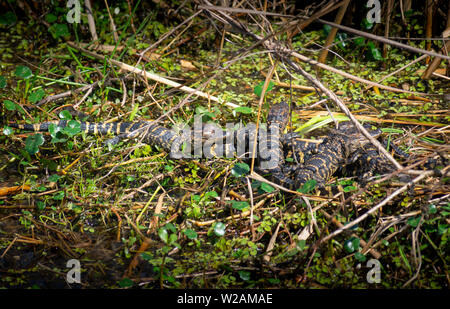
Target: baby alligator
x,y
311,160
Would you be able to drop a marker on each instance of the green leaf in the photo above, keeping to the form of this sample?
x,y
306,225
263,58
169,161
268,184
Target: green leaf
x,y
219,229
211,194
7,130
65,114
50,18
173,239
442,228
432,209
54,129
259,88
8,19
244,275
266,187
56,133
163,234
308,186
134,111
243,110
146,256
301,244
126,283
240,169
33,142
171,227
349,188
37,95
73,127
341,37
414,221
374,52
2,82
10,105
205,113
59,196
366,24
326,30
40,205
351,245
239,205
59,30
360,257
191,234
360,41
23,72
54,178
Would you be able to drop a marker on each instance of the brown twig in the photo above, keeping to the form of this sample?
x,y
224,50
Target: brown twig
x,y
91,20
330,38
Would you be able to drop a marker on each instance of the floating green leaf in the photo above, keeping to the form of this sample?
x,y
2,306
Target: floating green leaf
x,y
40,205
37,95
8,19
259,88
54,178
432,209
59,30
352,244
219,229
205,113
374,52
308,186
266,187
126,283
7,130
163,234
50,18
33,142
72,128
191,234
171,227
211,194
239,205
59,196
359,41
2,82
414,221
65,114
240,169
442,228
244,275
366,24
243,110
10,105
326,30
56,133
360,257
350,188
23,72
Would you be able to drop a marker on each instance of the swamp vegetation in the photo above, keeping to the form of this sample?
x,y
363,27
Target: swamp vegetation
x,y
134,217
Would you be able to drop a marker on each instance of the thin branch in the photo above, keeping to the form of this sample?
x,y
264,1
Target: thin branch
x,y
375,208
152,76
